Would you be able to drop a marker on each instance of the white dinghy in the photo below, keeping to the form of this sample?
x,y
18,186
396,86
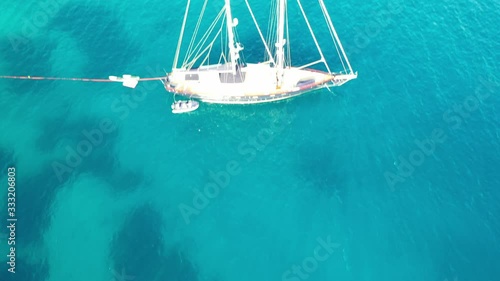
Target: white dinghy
x,y
184,106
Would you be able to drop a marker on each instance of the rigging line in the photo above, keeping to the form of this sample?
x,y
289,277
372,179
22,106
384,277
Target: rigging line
x,y
241,55
267,30
73,79
335,33
313,36
222,45
207,57
260,32
334,42
205,37
204,50
208,51
274,25
224,42
309,64
271,29
195,33
289,47
181,36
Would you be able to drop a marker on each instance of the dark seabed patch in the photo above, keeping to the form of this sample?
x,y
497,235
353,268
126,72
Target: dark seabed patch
x,y
58,129
97,31
39,190
317,165
30,58
26,272
102,163
6,159
140,241
458,253
177,267
124,180
99,158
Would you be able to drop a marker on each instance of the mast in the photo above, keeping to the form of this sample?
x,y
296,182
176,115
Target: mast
x,y
234,49
280,45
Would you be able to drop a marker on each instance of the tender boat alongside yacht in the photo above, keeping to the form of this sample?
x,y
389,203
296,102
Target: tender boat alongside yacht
x,y
184,106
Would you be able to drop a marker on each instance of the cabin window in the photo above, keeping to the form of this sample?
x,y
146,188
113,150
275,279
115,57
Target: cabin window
x,y
228,77
191,77
304,82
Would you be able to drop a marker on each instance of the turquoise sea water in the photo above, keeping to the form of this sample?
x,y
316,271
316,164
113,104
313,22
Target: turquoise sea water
x,y
393,176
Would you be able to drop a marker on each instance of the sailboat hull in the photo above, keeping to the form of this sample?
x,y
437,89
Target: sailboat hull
x,y
254,83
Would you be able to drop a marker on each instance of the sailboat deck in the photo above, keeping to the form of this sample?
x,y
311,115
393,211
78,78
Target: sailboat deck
x,y
254,83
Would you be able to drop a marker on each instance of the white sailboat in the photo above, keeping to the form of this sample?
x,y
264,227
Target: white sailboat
x,y
234,81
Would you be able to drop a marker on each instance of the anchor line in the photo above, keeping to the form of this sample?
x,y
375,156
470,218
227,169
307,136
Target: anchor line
x,y
74,79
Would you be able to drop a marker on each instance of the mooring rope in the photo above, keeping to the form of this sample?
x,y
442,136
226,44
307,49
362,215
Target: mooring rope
x,y
74,79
